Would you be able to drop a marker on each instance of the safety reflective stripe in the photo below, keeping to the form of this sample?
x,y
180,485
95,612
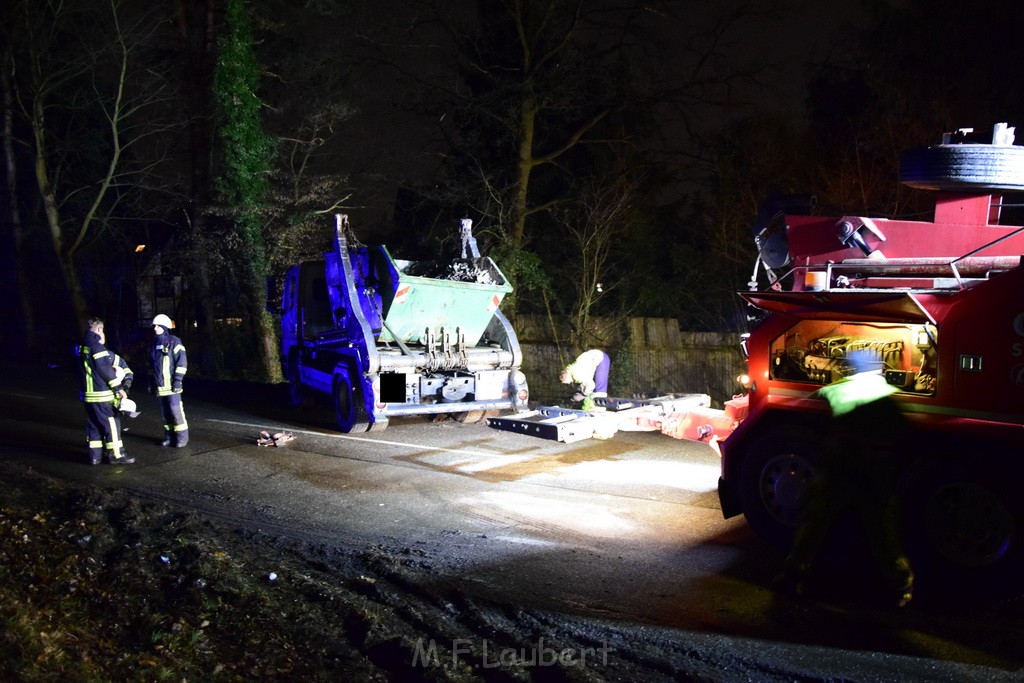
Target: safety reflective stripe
x,y
165,377
181,369
91,394
182,427
169,355
115,445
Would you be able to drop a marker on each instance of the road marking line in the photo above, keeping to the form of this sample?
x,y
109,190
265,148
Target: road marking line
x,y
479,454
38,398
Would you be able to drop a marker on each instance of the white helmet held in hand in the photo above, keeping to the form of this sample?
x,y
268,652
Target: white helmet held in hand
x,y
129,408
163,321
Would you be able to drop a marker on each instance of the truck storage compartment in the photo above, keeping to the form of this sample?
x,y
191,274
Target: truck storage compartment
x,y
462,293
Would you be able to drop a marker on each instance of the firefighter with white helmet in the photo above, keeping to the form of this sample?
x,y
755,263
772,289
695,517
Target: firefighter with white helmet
x,y
170,364
101,389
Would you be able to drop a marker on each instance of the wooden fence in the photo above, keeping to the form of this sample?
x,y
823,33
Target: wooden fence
x,y
649,356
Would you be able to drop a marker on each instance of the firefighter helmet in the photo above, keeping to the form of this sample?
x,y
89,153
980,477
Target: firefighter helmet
x,y
163,321
129,408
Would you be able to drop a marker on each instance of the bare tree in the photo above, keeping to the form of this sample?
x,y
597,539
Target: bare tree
x,y
548,93
596,224
88,104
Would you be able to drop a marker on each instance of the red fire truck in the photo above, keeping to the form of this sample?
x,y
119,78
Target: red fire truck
x,y
939,305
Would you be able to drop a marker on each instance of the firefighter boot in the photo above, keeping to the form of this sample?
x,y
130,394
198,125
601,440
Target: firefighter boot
x,y
182,439
168,440
109,459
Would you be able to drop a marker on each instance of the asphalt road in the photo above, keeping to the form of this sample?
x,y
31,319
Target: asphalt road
x,y
627,529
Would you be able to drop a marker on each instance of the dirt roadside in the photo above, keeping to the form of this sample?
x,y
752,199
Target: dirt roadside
x,y
99,584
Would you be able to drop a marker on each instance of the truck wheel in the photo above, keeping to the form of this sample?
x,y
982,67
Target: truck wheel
x,y
775,478
470,417
963,167
348,406
966,534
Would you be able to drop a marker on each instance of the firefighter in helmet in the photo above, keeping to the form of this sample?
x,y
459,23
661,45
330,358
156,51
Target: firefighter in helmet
x,y
169,367
101,390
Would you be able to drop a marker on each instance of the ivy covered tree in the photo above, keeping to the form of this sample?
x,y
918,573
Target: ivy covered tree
x,y
247,156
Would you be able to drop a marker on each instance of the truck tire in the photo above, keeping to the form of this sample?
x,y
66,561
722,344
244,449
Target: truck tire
x,y
963,167
774,480
966,532
348,405
469,417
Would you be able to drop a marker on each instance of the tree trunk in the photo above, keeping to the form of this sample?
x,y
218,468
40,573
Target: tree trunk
x,y
28,341
198,41
78,306
524,167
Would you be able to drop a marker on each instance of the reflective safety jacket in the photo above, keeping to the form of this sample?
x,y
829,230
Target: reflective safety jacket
x,y
98,380
583,369
855,391
169,364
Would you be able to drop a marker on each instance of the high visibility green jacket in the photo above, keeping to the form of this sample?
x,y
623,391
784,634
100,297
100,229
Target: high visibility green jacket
x,y
582,370
855,391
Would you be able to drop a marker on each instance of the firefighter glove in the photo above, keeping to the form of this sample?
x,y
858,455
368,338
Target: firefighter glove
x,y
578,396
176,387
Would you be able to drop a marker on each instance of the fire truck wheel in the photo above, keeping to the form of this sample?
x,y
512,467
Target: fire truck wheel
x,y
348,405
963,167
775,478
966,534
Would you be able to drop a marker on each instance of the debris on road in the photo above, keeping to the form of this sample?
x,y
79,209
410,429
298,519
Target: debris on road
x,y
274,440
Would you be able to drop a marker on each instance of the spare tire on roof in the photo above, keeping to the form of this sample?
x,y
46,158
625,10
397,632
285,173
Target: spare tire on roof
x,y
963,167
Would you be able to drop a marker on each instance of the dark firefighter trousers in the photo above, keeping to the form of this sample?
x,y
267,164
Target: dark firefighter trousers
x,y
175,425
103,431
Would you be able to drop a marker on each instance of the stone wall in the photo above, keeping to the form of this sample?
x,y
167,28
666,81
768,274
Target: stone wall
x,y
648,355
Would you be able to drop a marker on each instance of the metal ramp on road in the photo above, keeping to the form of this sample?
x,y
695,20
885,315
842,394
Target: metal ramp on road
x,y
610,415
556,424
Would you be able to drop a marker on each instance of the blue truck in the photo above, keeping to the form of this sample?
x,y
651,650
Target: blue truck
x,y
382,337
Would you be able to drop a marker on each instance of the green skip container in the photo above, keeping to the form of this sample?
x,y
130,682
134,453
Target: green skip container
x,y
460,294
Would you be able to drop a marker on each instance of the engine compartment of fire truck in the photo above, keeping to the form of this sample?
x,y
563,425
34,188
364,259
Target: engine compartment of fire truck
x,y
936,306
817,352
